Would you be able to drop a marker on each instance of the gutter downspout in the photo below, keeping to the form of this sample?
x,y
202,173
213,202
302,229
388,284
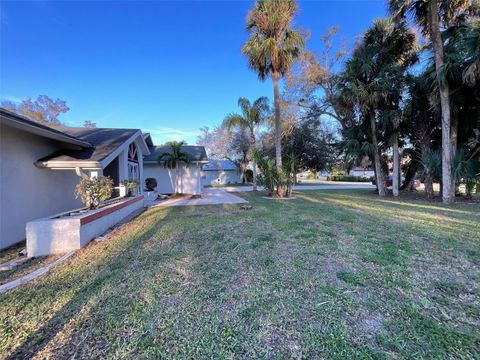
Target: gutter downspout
x,y
80,173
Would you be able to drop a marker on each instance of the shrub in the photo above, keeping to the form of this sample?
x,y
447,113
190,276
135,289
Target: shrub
x,y
276,182
150,184
131,185
348,178
249,175
92,191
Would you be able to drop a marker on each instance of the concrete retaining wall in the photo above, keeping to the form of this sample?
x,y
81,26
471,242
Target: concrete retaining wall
x,y
60,235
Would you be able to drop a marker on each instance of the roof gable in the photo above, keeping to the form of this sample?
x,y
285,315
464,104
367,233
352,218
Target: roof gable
x,y
105,142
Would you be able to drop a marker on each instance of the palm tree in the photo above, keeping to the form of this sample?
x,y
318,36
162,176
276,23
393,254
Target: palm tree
x,y
431,15
271,49
252,116
372,79
174,158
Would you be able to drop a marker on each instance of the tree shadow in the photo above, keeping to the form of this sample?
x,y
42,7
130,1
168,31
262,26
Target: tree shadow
x,y
40,338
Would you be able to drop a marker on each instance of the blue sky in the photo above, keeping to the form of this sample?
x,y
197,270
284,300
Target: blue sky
x,y
168,67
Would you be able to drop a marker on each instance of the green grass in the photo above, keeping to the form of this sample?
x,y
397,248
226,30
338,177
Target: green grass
x,y
332,275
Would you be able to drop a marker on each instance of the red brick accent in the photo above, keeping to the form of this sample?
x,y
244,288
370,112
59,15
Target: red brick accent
x,y
105,212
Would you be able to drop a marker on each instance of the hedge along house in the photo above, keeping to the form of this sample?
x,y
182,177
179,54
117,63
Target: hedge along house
x,y
190,181
40,167
221,172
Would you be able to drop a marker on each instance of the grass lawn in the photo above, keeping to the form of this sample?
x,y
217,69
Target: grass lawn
x,y
331,275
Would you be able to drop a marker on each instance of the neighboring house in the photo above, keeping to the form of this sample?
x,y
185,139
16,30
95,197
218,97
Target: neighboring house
x,y
362,172
190,176
40,167
221,172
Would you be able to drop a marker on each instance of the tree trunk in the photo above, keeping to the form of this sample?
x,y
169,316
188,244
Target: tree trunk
x,y
254,165
396,164
253,146
278,130
428,183
448,188
176,179
427,171
411,172
376,155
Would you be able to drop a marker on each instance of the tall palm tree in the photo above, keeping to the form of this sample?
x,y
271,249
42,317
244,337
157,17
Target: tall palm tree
x,y
431,16
174,158
252,116
272,48
372,77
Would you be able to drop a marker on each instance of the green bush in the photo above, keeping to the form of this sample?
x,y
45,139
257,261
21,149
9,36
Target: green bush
x,y
276,183
150,184
93,191
348,178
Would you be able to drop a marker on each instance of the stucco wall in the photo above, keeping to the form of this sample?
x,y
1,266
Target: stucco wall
x,y
27,192
221,177
57,236
189,181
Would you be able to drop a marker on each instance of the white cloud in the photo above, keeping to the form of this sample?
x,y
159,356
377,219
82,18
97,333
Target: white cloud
x,y
163,134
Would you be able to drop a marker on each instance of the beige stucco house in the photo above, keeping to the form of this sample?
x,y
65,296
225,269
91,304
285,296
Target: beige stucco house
x,y
40,167
190,181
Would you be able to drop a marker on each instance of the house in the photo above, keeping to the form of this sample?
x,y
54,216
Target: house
x,y
189,176
221,172
41,166
362,172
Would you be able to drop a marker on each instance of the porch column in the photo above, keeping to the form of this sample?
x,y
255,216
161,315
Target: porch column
x,y
140,169
123,165
199,179
123,170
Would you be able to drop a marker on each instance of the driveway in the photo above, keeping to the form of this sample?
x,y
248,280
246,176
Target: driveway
x,y
220,196
313,186
210,196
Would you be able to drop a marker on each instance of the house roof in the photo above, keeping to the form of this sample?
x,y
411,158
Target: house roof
x,y
197,153
220,165
148,139
106,142
22,123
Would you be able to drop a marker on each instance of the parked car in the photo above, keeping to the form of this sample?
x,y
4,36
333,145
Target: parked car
x,y
389,181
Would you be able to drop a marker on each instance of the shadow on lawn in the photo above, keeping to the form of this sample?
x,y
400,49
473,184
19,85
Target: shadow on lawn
x,y
417,216
227,271
38,340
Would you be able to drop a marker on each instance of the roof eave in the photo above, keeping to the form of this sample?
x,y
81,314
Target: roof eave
x,y
68,164
54,135
156,162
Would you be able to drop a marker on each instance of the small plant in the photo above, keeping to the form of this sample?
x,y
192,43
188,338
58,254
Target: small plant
x,y
151,184
93,191
130,185
276,182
